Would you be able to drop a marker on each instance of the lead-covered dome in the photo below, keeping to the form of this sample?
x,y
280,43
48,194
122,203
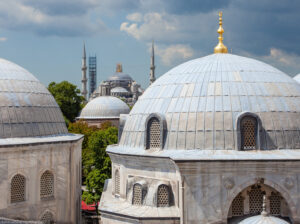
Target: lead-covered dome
x,y
261,219
297,78
104,107
201,101
27,107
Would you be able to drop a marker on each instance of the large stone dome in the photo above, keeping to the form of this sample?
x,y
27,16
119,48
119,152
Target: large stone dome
x,y
260,219
200,102
120,76
104,107
27,107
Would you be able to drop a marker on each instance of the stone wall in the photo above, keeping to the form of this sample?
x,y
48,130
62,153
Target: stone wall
x,y
63,160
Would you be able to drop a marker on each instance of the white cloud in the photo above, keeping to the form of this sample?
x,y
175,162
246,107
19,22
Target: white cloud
x,y
158,26
135,17
174,53
3,39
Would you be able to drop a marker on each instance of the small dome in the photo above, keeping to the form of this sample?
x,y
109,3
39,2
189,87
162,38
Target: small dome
x,y
120,76
27,107
104,107
297,78
119,90
202,99
261,219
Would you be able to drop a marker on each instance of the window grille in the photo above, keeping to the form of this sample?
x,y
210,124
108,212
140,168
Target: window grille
x,y
255,200
153,134
237,208
137,194
275,204
248,132
163,196
47,185
117,182
17,190
47,218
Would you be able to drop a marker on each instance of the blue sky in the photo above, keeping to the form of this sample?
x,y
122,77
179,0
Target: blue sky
x,y
46,36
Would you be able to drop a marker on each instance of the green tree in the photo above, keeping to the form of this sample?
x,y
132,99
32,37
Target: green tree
x,y
68,99
101,168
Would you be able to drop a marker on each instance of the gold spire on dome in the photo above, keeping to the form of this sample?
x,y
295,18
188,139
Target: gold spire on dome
x,y
119,68
220,48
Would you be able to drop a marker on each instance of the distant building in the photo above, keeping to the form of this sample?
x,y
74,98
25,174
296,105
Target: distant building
x,y
102,109
40,162
120,85
215,140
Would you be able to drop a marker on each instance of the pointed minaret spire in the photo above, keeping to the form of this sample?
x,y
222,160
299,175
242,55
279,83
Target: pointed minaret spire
x,y
84,79
152,66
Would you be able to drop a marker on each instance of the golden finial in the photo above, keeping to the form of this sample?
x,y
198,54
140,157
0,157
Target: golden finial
x,y
119,68
220,48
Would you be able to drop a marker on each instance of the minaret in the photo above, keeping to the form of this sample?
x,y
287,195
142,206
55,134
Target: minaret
x,y
220,48
152,66
84,79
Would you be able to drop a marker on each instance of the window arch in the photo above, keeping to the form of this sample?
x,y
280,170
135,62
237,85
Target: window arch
x,y
47,218
17,188
249,129
237,207
117,181
137,196
47,185
154,137
163,196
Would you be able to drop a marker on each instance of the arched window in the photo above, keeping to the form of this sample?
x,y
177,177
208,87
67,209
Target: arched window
x,y
153,134
275,204
137,196
256,199
117,182
248,133
47,185
47,218
163,196
237,207
17,188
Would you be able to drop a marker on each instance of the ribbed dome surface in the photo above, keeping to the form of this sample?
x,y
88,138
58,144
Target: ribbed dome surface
x,y
104,107
27,107
260,219
297,78
118,90
120,76
202,99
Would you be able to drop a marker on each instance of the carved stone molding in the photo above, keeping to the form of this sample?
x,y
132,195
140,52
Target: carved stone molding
x,y
289,182
228,183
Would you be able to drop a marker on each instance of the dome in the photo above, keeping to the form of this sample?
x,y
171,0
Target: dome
x,y
120,76
119,90
201,100
104,107
297,78
261,219
27,107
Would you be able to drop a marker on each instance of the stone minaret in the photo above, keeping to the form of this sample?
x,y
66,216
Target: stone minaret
x,y
84,79
152,66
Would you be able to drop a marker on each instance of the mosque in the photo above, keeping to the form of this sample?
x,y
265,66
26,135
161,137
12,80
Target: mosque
x,y
214,140
40,162
120,84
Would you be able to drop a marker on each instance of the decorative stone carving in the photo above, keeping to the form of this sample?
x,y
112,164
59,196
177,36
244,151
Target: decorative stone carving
x,y
228,183
289,182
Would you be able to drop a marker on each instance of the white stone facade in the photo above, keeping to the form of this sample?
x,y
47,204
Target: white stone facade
x,y
220,132
63,160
